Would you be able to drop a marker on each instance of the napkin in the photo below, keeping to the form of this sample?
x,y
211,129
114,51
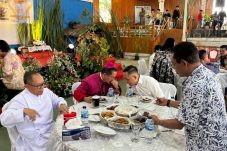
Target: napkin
x,y
74,123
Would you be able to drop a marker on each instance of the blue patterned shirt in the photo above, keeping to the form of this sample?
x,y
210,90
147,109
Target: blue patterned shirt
x,y
203,112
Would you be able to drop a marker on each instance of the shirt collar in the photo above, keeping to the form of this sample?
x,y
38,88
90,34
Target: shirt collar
x,y
194,72
140,79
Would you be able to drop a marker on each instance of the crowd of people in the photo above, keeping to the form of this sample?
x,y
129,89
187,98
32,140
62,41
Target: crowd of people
x,y
160,18
201,111
215,21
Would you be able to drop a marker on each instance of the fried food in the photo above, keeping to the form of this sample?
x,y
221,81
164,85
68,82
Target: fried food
x,y
107,115
121,121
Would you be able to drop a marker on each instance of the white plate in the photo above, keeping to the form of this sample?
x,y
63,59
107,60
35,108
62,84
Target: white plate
x,y
105,130
94,118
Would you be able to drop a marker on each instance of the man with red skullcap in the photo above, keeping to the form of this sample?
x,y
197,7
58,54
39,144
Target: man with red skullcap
x,y
97,84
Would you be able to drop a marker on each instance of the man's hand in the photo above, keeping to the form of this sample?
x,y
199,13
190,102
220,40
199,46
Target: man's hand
x,y
31,113
161,101
88,99
155,119
63,108
115,84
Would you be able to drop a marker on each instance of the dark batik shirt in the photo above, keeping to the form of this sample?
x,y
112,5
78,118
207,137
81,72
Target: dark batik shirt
x,y
203,112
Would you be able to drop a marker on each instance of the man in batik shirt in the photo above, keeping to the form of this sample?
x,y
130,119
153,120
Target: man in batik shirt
x,y
202,110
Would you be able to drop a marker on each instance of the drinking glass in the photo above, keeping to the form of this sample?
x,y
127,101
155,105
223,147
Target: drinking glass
x,y
135,133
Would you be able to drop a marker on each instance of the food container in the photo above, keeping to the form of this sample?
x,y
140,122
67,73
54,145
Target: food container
x,y
106,115
138,120
126,111
121,123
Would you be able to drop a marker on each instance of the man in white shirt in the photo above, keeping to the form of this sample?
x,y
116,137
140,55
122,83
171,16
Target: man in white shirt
x,y
31,113
142,85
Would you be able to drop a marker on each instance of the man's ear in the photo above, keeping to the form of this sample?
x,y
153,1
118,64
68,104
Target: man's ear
x,y
184,62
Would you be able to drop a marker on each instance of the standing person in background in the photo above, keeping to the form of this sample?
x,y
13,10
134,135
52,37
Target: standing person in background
x,y
200,19
158,17
176,16
162,69
13,72
222,16
142,16
151,58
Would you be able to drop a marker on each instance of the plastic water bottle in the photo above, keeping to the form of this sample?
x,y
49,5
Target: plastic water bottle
x,y
129,92
84,115
110,92
149,126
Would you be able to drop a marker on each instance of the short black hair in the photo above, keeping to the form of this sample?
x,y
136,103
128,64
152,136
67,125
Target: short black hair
x,y
108,71
28,76
152,9
202,53
169,44
4,47
167,10
157,47
177,6
224,46
186,51
158,9
131,69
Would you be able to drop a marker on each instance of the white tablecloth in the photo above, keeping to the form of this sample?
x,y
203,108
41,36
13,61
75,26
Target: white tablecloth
x,y
165,141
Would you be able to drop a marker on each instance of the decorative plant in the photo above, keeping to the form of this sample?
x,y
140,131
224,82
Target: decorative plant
x,y
31,64
60,74
127,22
37,25
24,33
53,23
93,49
137,50
207,19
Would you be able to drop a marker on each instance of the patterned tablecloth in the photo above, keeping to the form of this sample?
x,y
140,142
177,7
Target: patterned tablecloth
x,y
167,140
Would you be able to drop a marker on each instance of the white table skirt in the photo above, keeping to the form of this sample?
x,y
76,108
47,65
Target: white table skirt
x,y
165,141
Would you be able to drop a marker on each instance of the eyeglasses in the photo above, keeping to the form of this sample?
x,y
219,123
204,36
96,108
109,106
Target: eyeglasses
x,y
38,86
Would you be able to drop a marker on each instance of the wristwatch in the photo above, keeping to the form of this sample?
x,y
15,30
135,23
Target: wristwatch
x,y
168,103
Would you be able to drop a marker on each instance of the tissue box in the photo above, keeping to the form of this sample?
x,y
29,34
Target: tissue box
x,y
76,134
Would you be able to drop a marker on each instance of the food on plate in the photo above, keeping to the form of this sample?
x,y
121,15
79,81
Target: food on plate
x,y
107,115
146,100
112,107
120,121
140,119
146,114
126,111
103,100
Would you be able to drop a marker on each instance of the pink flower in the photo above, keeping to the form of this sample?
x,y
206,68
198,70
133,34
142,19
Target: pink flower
x,y
15,65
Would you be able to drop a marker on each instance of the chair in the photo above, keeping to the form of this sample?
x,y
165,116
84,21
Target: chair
x,y
168,89
12,132
74,86
142,67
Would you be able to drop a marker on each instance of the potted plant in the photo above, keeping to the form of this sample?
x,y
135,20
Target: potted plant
x,y
137,50
207,20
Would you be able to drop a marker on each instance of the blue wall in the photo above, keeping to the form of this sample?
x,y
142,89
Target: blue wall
x,y
72,10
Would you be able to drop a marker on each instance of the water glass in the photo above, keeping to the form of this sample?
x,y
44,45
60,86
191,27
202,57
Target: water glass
x,y
135,133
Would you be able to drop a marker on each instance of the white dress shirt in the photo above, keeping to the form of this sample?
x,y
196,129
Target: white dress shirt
x,y
33,135
147,86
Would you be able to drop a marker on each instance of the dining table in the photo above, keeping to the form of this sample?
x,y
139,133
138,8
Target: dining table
x,y
165,140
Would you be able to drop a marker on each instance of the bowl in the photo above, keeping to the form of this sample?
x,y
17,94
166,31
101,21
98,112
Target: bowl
x,y
106,115
121,123
138,120
126,110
